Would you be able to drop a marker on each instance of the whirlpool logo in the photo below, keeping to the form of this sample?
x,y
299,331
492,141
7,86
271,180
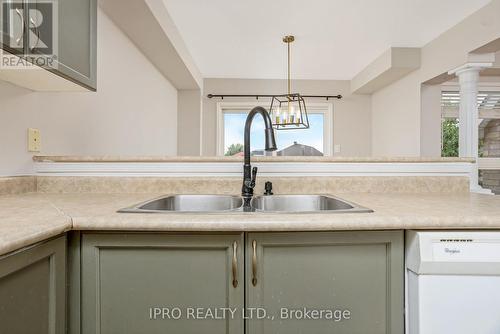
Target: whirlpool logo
x,y
29,33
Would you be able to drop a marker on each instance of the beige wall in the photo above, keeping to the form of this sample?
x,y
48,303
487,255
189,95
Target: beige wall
x,y
351,119
395,120
398,116
134,111
396,109
430,120
188,122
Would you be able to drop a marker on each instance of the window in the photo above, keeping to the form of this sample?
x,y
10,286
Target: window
x,y
317,140
488,101
449,137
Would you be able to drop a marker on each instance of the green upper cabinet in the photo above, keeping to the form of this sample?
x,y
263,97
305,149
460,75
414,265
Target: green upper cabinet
x,y
12,26
354,278
59,36
78,41
138,283
33,289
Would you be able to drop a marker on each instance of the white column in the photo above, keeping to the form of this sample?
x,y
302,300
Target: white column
x,y
468,77
468,112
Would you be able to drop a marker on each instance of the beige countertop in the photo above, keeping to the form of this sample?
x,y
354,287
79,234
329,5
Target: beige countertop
x,y
27,219
185,159
32,217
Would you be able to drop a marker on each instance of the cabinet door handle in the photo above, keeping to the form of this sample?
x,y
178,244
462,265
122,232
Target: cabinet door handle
x,y
235,264
254,263
18,40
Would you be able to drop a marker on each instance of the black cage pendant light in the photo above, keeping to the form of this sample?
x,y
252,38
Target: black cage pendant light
x,y
288,111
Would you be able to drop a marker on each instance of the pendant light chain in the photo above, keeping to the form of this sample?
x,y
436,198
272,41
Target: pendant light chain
x,y
289,75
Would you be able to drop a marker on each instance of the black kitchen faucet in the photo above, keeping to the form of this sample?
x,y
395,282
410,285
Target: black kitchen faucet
x,y
249,174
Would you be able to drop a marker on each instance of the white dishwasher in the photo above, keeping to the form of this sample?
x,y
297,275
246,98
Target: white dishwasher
x,y
452,282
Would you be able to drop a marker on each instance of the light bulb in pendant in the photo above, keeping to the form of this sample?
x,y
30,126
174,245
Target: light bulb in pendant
x,y
291,113
277,115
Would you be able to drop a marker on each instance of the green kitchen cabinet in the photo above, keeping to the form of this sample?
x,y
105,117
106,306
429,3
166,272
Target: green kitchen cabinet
x,y
33,289
353,281
77,41
58,36
127,278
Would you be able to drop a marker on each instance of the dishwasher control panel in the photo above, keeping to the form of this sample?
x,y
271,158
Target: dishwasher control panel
x,y
452,252
466,250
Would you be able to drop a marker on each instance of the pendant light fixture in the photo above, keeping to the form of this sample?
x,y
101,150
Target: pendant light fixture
x,y
288,111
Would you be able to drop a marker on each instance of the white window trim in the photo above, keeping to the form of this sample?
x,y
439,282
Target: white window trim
x,y
244,107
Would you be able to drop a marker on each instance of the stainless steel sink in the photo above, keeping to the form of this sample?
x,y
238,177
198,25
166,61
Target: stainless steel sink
x,y
188,203
304,203
227,203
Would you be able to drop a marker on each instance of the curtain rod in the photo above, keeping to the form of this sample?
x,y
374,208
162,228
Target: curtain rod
x,y
222,96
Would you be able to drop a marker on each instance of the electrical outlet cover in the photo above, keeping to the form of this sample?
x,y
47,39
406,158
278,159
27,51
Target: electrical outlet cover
x,y
34,143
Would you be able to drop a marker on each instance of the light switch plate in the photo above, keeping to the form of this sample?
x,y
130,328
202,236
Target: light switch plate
x,y
336,148
34,143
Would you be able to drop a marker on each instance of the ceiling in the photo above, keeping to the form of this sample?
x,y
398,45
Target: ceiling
x,y
335,39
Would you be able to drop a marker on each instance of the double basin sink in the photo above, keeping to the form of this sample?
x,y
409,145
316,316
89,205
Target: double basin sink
x,y
228,203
